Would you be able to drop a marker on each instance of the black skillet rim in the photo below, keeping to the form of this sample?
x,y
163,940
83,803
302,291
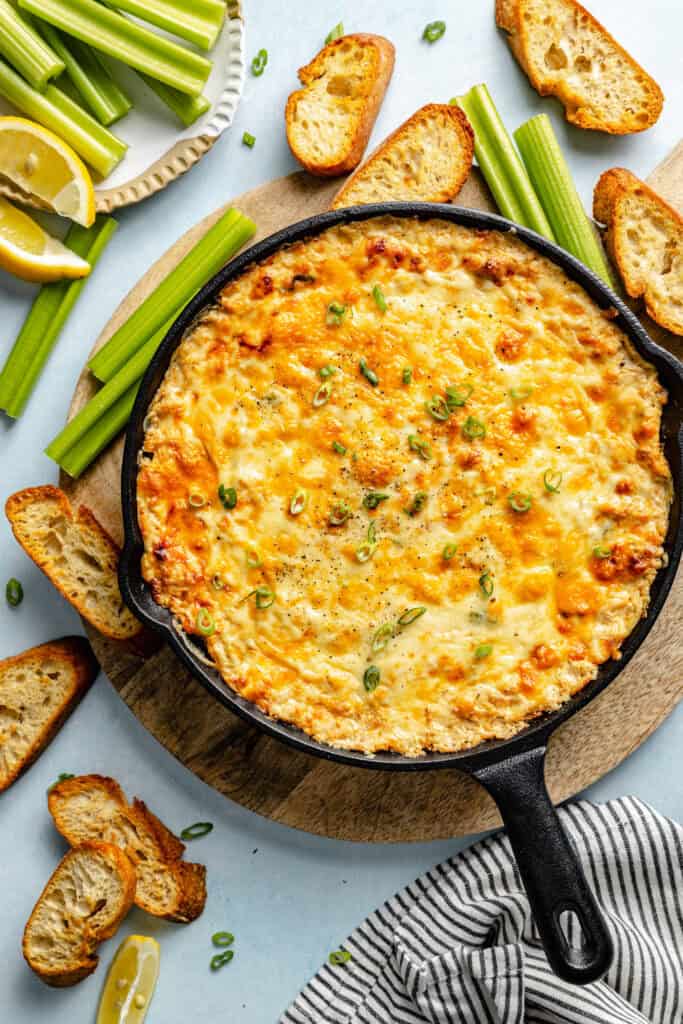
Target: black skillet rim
x,y
139,599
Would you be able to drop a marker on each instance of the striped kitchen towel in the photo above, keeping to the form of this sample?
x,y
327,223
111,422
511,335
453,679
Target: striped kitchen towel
x,y
459,946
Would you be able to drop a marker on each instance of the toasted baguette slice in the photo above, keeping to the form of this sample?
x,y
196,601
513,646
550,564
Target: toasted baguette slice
x,y
568,54
86,899
76,554
329,121
428,158
92,807
644,237
38,690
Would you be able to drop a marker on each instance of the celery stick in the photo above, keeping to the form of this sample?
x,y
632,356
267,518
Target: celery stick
x,y
205,259
21,45
100,93
110,32
198,21
78,458
105,398
47,316
187,108
500,163
553,182
98,147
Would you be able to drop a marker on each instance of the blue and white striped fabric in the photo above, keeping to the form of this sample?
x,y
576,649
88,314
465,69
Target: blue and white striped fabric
x,y
459,946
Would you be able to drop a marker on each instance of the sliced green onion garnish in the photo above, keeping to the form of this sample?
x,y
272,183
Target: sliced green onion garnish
x,y
366,550
552,481
436,407
411,614
521,393
322,395
221,959
486,584
370,375
335,314
417,504
407,375
196,831
217,582
473,428
380,301
423,448
253,559
298,502
381,637
457,395
222,939
483,651
248,139
520,502
196,500
371,678
335,33
327,371
339,957
258,64
204,622
601,552
449,552
433,31
339,513
338,447
373,498
228,496
264,597
14,592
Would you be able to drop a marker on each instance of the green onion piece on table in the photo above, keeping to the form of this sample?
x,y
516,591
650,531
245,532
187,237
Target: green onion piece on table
x,y
258,64
335,33
552,179
434,31
219,244
95,86
56,111
248,140
14,593
20,44
187,109
500,163
125,40
196,831
221,959
197,21
222,939
47,317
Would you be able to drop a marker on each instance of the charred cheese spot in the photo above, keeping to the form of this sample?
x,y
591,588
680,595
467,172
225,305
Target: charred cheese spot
x,y
304,598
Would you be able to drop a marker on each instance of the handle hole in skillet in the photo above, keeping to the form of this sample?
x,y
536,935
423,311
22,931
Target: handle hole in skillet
x,y
572,931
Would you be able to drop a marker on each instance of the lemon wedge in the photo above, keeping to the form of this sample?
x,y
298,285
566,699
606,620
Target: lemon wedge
x,y
130,983
30,253
42,164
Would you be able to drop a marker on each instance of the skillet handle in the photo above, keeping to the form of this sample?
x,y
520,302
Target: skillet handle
x,y
553,878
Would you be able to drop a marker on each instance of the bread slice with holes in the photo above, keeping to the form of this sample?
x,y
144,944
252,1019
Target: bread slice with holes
x,y
93,807
568,54
644,237
84,902
39,689
427,159
76,554
330,119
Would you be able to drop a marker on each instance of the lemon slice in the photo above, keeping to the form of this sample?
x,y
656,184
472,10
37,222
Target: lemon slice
x,y
30,253
42,164
130,983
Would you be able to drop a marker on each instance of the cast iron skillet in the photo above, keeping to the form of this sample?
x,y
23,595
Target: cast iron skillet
x,y
512,770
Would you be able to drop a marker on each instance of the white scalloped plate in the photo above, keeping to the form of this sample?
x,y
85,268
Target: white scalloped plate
x,y
158,152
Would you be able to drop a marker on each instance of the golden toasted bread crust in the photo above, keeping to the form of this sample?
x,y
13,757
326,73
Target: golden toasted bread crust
x,y
510,16
92,936
445,113
75,654
357,143
613,189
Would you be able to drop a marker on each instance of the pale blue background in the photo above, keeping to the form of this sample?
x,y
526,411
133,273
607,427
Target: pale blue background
x,y
288,897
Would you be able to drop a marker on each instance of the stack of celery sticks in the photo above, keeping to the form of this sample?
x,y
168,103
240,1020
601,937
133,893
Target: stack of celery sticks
x,y
53,64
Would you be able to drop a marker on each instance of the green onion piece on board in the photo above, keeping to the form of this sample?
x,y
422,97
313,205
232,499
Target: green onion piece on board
x,y
552,179
339,957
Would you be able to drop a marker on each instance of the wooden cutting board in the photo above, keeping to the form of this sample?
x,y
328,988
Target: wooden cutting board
x,y
333,800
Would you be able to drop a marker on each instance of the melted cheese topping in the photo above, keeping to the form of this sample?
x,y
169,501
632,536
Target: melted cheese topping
x,y
544,584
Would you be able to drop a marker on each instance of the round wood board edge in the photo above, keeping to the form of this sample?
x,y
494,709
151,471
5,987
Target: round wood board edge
x,y
306,793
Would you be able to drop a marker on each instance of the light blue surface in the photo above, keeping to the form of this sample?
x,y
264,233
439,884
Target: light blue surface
x,y
288,897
